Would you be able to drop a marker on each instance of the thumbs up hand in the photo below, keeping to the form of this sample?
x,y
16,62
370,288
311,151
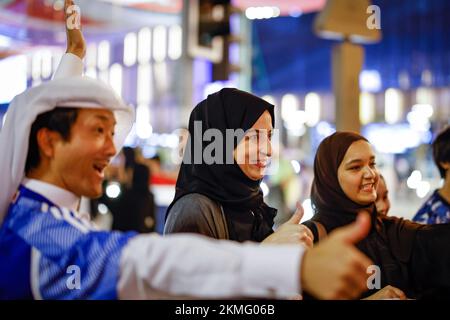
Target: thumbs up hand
x,y
335,269
298,214
292,232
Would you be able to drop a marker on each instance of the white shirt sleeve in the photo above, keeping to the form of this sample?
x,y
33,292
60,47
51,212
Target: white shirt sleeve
x,y
70,65
180,265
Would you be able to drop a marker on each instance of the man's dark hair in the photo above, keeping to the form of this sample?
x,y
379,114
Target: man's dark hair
x,y
441,149
59,120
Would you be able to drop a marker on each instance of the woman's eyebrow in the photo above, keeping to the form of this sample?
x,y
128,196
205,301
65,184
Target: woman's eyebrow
x,y
353,161
358,160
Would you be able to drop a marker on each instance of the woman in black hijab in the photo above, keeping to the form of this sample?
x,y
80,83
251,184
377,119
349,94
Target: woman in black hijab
x,y
222,198
136,206
412,257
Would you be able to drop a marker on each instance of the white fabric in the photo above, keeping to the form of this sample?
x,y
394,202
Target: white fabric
x,y
58,196
180,266
70,65
64,90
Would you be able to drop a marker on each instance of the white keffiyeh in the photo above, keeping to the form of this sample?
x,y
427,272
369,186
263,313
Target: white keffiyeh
x,y
71,91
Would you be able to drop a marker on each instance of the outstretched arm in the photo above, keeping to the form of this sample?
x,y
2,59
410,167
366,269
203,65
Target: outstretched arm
x,y
71,63
75,39
184,265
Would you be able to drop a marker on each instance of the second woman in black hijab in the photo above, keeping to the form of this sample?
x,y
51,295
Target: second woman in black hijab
x,y
223,199
412,257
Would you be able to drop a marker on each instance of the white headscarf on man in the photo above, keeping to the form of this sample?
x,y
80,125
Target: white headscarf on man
x,y
74,91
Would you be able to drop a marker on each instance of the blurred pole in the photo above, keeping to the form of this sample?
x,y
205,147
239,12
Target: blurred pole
x,y
349,21
245,54
347,63
187,67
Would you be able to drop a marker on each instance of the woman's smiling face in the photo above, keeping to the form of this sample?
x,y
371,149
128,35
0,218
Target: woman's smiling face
x,y
357,173
254,151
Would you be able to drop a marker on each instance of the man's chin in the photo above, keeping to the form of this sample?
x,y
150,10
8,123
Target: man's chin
x,y
93,194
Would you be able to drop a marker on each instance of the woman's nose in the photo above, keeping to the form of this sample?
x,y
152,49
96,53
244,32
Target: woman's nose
x,y
369,172
269,148
265,146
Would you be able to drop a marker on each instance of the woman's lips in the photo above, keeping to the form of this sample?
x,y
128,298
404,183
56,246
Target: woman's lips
x,y
262,164
367,187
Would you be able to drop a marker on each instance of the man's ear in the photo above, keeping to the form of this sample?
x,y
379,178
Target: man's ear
x,y
47,140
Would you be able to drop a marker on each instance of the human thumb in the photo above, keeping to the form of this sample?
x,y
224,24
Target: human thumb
x,y
298,214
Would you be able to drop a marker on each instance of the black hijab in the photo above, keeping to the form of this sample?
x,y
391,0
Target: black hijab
x,y
248,217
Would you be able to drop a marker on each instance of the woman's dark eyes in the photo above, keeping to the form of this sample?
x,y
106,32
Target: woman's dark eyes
x,y
372,165
255,135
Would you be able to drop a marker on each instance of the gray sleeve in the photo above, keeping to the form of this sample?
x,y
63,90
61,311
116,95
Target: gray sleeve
x,y
195,213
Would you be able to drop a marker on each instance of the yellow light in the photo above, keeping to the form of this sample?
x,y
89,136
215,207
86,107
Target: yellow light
x,y
366,108
393,106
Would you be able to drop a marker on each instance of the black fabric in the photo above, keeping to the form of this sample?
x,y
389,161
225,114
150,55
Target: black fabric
x,y
248,217
135,206
430,262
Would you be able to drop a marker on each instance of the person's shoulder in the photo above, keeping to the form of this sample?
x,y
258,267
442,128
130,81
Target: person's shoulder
x,y
426,212
196,200
193,213
194,205
401,226
439,200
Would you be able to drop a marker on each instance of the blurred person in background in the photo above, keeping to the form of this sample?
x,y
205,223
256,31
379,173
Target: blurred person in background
x,y
128,166
437,208
159,175
136,205
382,203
